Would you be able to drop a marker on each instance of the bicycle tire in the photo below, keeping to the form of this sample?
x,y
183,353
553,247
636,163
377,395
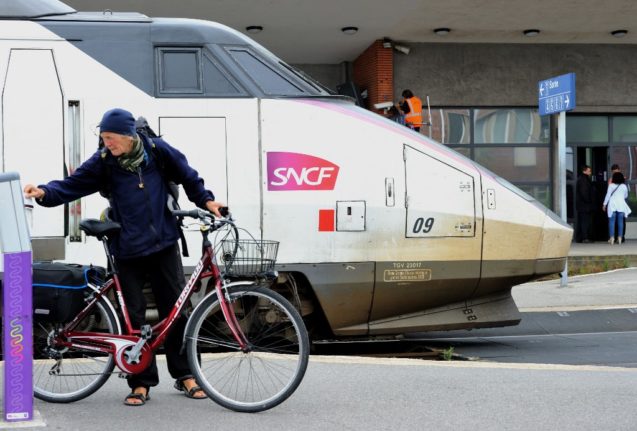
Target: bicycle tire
x,y
270,371
80,372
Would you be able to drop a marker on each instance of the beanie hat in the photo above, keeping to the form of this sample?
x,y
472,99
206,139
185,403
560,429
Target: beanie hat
x,y
118,121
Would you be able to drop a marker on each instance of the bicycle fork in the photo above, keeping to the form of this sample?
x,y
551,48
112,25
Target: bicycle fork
x,y
231,318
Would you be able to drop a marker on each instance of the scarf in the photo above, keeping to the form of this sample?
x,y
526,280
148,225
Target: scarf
x,y
134,159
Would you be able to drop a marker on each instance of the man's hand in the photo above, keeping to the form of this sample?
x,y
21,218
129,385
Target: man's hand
x,y
213,207
31,191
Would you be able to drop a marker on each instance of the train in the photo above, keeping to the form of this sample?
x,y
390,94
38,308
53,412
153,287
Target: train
x,y
382,230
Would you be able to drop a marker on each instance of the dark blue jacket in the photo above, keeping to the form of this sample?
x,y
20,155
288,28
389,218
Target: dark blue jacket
x,y
138,199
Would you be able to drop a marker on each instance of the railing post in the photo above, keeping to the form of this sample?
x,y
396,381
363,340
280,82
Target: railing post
x,y
15,243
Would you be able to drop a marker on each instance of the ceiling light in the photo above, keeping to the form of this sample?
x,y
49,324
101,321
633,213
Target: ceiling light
x,y
442,31
254,29
349,30
386,42
532,32
619,33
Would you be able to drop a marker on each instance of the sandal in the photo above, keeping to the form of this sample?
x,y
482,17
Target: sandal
x,y
190,393
136,396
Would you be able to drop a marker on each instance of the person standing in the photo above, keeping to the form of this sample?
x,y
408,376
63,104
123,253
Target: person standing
x,y
411,108
616,207
584,205
615,168
146,246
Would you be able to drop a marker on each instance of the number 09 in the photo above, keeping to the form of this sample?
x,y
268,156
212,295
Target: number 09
x,y
423,226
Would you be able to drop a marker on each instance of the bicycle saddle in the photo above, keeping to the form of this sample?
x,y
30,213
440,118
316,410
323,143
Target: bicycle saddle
x,y
99,229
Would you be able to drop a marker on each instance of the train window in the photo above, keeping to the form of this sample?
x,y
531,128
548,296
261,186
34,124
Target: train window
x,y
320,88
216,81
193,72
269,80
180,70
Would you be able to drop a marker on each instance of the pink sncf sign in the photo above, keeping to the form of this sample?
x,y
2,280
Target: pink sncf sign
x,y
295,171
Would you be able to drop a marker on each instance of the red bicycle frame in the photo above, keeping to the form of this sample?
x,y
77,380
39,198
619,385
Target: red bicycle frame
x,y
118,345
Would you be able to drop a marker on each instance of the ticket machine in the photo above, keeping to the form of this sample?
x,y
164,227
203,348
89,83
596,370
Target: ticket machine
x,y
15,271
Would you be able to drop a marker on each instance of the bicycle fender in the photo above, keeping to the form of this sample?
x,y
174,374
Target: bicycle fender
x,y
214,293
110,306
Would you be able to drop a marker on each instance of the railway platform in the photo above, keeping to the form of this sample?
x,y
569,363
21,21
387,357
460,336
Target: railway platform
x,y
362,393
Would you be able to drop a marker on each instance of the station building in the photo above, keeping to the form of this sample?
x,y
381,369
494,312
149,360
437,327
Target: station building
x,y
484,104
479,64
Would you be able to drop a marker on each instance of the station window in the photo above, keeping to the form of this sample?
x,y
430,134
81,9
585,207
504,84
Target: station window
x,y
513,142
510,126
587,129
625,129
516,164
269,80
451,126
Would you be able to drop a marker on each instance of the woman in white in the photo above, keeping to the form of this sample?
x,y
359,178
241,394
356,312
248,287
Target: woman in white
x,y
616,207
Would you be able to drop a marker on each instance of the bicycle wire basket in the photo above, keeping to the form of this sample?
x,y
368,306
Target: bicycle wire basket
x,y
248,257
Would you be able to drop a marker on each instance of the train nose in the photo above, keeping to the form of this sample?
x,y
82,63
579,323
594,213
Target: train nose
x,y
554,246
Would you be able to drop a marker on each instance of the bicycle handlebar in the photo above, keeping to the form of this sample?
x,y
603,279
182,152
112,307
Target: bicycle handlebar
x,y
196,213
206,216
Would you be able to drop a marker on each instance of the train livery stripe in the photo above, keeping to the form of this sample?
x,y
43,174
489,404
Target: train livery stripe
x,y
379,121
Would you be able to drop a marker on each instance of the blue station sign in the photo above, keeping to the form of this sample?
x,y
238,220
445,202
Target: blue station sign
x,y
556,94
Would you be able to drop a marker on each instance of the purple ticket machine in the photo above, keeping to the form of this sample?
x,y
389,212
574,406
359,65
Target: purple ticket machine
x,y
15,271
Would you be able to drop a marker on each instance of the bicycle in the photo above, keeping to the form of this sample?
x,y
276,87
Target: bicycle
x,y
247,346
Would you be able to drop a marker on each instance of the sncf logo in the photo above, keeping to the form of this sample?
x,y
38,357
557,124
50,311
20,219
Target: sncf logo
x,y
294,171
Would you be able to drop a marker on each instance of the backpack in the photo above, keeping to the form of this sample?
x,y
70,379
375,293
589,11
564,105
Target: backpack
x,y
145,132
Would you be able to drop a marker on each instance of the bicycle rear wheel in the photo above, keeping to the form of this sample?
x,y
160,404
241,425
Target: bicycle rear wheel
x,y
270,371
64,375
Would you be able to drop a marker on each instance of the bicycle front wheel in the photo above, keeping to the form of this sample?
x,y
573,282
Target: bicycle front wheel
x,y
64,375
276,360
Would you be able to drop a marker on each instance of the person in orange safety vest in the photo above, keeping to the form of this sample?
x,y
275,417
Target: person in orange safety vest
x,y
411,107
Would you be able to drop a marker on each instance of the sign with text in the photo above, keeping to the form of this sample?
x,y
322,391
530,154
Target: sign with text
x,y
556,94
294,171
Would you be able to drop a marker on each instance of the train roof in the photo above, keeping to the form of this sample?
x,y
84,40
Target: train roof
x,y
221,54
28,9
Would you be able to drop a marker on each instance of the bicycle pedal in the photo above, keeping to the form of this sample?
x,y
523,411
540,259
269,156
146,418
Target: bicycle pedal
x,y
146,331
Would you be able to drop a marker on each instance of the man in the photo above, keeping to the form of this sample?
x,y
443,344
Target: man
x,y
614,168
584,205
147,243
411,108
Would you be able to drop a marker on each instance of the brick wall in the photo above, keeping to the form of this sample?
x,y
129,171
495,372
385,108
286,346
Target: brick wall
x,y
373,71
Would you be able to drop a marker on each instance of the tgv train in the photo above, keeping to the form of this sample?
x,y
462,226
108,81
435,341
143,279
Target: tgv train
x,y
382,230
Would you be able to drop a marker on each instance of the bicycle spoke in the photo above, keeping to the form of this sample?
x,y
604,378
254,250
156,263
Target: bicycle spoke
x,y
66,374
271,368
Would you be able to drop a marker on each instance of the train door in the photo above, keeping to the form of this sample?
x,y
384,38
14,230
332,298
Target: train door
x,y
33,128
443,223
445,208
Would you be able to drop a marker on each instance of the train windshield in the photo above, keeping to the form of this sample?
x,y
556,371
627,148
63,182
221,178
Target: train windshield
x,y
308,79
